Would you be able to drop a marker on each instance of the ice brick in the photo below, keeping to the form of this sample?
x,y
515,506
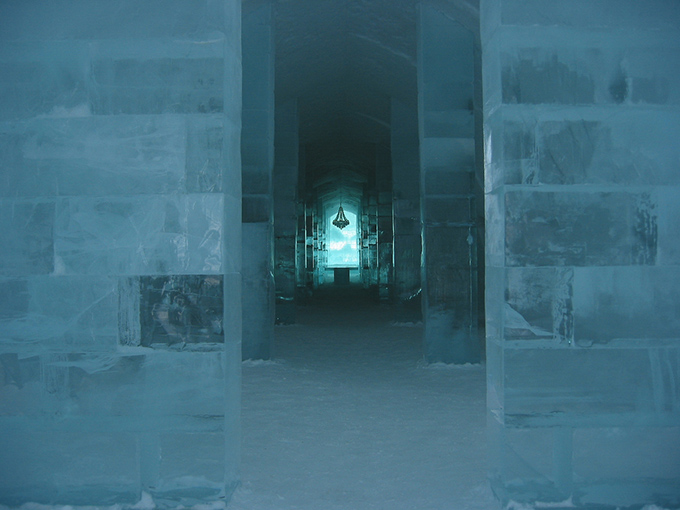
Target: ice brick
x,y
28,237
520,165
68,467
199,454
570,385
494,302
524,461
668,218
639,453
47,81
609,13
494,229
99,19
150,235
21,388
626,149
93,155
539,304
537,76
581,229
14,298
626,302
624,466
233,318
494,149
181,310
63,313
185,384
162,85
88,386
495,396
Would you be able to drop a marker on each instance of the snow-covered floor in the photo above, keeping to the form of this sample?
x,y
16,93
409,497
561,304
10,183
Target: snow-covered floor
x,y
347,417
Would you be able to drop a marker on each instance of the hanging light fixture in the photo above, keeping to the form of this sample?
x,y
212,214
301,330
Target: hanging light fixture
x,y
341,220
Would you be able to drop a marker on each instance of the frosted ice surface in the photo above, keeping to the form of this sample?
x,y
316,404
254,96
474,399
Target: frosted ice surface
x,y
119,163
140,235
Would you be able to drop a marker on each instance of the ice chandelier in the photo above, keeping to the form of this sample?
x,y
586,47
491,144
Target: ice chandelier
x,y
340,220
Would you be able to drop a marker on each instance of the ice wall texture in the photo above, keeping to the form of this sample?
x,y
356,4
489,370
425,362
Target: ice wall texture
x,y
120,211
257,153
583,266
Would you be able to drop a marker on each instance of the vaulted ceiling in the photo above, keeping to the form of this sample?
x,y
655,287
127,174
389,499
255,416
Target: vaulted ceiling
x,y
343,60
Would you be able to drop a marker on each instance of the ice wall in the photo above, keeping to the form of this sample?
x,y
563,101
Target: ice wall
x,y
447,176
286,158
257,152
581,104
120,214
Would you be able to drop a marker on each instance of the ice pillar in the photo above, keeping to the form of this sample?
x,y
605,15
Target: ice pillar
x,y
368,259
120,214
583,257
447,165
303,242
257,152
406,211
286,161
383,179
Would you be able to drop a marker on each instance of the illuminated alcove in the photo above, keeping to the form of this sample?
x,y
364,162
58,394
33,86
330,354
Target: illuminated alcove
x,y
343,250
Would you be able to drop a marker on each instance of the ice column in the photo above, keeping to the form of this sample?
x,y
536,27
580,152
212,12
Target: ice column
x,y
257,152
369,239
383,178
406,211
286,153
447,165
120,214
303,275
583,256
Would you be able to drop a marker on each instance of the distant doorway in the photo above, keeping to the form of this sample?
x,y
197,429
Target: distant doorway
x,y
343,249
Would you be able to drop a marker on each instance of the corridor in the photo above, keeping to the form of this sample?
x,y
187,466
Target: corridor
x,y
347,417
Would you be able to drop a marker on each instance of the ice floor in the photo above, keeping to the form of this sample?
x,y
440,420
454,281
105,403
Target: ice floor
x,y
346,417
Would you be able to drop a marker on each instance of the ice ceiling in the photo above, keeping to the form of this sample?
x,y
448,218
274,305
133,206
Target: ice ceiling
x,y
343,60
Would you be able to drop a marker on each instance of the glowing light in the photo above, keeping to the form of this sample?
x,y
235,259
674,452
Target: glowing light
x,y
342,243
